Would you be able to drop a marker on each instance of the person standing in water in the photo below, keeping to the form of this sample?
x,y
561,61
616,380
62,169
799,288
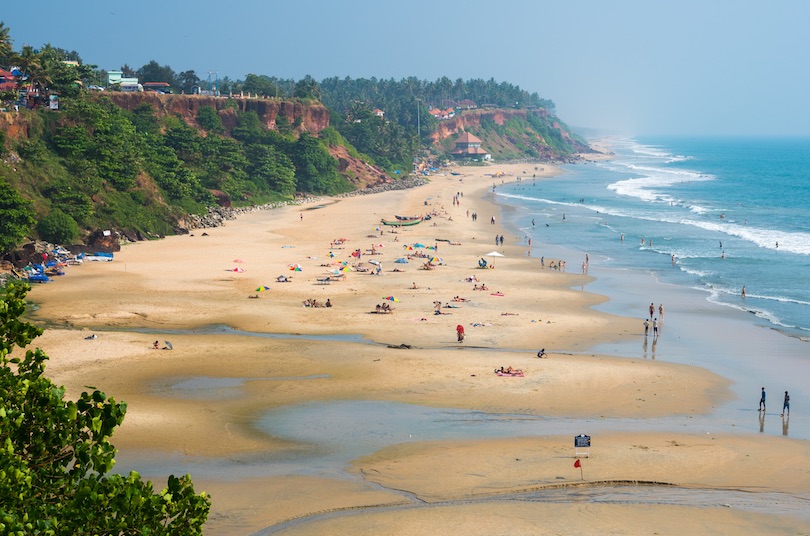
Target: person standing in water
x,y
762,401
786,404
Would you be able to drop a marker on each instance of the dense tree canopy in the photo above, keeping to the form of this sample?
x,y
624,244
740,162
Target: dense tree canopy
x,y
16,217
154,72
56,456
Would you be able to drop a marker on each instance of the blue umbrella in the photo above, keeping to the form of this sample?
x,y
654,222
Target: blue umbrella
x,y
402,260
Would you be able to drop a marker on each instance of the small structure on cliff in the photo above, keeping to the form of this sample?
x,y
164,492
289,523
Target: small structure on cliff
x,y
468,146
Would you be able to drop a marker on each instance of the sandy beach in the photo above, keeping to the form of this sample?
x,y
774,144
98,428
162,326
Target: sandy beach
x,y
242,355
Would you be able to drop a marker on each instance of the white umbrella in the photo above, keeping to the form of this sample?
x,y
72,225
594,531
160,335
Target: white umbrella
x,y
494,254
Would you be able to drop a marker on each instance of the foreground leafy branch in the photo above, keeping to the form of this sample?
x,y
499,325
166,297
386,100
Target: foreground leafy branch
x,y
55,454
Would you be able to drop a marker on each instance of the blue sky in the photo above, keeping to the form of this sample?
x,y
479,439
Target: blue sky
x,y
635,67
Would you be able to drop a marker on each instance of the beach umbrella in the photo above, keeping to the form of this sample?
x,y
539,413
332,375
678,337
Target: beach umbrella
x,y
238,260
346,269
435,260
418,245
431,247
494,254
391,298
410,248
375,263
402,260
295,268
237,270
262,289
169,345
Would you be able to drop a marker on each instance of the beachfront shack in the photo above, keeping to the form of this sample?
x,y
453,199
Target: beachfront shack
x,y
469,147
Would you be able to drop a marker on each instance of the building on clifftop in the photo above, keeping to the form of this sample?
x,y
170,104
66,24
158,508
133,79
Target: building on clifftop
x,y
468,146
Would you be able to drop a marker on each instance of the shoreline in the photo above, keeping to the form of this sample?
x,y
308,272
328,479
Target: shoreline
x,y
186,283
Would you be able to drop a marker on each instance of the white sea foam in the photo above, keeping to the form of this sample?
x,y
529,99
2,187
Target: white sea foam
x,y
765,238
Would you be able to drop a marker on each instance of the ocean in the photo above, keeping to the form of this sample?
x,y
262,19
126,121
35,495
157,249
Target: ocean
x,y
731,212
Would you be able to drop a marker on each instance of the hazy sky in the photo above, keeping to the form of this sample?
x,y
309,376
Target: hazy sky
x,y
636,67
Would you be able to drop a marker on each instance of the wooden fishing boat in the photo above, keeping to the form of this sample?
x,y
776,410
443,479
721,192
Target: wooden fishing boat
x,y
401,223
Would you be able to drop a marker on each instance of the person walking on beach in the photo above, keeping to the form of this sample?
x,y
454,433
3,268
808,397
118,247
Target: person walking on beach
x,y
786,405
661,312
646,327
743,291
655,328
762,401
652,310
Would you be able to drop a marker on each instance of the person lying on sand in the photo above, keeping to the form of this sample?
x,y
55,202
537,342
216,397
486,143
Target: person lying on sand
x,y
509,370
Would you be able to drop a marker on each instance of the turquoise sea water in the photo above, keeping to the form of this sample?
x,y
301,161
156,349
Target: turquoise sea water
x,y
732,212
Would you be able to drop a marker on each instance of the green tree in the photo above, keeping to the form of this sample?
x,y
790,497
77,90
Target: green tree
x,y
316,169
16,217
5,44
58,227
259,84
188,80
307,88
127,71
271,169
249,128
56,455
153,72
209,119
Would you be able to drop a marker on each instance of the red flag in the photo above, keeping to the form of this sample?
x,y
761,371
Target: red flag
x,y
577,464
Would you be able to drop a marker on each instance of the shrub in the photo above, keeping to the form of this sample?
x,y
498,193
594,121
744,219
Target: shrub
x,y
58,227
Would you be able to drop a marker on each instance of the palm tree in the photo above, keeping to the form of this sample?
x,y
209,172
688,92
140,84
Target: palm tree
x,y
5,44
30,64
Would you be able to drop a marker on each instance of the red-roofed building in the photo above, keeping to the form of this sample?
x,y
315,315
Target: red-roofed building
x,y
8,82
442,114
469,146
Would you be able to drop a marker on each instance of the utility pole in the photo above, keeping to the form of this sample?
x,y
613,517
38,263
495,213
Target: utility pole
x,y
418,122
215,74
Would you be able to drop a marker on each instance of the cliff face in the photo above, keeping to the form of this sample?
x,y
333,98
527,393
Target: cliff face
x,y
361,174
310,117
15,125
508,134
471,119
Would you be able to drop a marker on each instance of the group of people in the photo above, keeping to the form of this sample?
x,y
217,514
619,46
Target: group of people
x,y
498,240
655,320
315,303
508,370
383,308
785,404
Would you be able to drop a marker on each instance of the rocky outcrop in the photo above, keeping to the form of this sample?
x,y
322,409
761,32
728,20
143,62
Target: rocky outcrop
x,y
311,117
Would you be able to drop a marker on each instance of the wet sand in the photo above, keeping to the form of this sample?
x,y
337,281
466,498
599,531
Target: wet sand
x,y
187,283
